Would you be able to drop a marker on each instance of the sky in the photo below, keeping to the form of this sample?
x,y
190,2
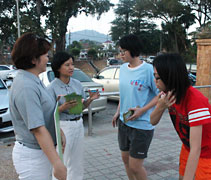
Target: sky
x,y
103,25
90,22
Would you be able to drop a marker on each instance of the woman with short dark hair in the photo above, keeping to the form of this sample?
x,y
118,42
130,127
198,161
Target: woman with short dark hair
x,y
71,124
190,113
32,109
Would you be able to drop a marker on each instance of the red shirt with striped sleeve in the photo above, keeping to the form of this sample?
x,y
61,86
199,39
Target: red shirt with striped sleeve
x,y
193,110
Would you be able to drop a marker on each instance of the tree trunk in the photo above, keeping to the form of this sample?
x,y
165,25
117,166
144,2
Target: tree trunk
x,y
176,43
60,43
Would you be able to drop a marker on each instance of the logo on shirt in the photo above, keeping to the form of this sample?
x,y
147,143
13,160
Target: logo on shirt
x,y
137,83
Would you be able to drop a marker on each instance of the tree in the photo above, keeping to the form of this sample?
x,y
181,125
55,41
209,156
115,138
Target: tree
x,y
55,14
60,12
176,18
76,44
92,53
8,31
131,18
75,51
201,9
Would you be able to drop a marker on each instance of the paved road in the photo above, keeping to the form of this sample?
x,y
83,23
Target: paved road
x,y
102,155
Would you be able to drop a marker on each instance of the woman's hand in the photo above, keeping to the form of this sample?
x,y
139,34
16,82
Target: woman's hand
x,y
94,95
63,140
166,100
67,105
59,170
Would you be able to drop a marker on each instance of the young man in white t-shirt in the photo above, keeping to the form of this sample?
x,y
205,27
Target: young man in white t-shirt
x,y
138,94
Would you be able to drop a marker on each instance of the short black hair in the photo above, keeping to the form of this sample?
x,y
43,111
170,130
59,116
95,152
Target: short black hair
x,y
27,48
132,43
59,59
173,72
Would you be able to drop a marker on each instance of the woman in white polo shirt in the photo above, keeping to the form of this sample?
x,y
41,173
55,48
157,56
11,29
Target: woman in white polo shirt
x,y
31,110
71,124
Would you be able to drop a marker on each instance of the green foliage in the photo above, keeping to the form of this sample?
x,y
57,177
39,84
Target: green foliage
x,y
76,44
56,15
190,55
75,51
92,53
176,19
131,19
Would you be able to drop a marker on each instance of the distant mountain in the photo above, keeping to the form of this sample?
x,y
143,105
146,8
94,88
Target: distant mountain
x,y
86,34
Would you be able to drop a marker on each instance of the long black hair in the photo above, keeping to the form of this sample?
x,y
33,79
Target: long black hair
x,y
173,72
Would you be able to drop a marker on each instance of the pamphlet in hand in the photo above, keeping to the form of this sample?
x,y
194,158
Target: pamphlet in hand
x,y
79,107
126,115
58,131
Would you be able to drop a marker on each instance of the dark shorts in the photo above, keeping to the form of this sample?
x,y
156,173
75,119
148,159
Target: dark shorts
x,y
136,141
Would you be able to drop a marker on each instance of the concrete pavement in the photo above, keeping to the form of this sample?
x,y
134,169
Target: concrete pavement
x,y
102,154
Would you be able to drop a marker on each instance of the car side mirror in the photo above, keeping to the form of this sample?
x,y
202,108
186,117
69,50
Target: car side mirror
x,y
100,77
8,84
95,76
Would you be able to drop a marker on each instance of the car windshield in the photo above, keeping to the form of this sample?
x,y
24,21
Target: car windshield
x,y
78,74
81,76
3,68
2,86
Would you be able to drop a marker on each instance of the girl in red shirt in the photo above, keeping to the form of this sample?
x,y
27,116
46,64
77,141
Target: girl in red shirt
x,y
190,113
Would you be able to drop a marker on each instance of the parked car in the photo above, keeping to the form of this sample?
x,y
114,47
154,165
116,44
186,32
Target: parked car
x,y
150,59
11,75
192,78
4,70
109,78
114,62
5,118
87,83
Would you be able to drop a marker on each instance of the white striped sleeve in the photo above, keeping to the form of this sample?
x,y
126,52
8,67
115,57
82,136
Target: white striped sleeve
x,y
198,115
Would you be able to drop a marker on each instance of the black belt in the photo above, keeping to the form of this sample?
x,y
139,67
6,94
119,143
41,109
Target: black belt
x,y
74,119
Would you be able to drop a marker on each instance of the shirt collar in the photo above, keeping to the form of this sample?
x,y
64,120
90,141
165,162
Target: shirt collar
x,y
30,76
62,84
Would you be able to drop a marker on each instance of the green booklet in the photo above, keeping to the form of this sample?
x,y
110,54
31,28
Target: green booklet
x,y
58,131
79,107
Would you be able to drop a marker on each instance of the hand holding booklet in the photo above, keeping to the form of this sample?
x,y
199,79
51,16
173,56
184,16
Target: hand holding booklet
x,y
79,107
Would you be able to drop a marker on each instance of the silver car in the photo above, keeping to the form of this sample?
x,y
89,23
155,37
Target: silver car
x,y
87,83
5,118
109,78
4,70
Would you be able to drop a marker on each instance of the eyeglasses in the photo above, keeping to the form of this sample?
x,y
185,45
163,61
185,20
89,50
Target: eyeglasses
x,y
156,78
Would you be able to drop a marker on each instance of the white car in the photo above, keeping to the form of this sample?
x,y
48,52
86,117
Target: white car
x,y
5,118
109,78
87,83
4,70
150,59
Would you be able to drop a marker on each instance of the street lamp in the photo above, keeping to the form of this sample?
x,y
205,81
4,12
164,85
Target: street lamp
x,y
18,20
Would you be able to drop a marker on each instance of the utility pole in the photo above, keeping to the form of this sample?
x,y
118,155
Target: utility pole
x,y
69,37
161,43
18,20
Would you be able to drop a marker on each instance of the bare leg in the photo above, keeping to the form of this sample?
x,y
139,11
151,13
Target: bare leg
x,y
180,177
125,159
137,168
